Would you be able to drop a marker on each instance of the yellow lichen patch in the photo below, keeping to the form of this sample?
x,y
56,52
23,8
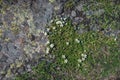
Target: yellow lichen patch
x,y
69,4
8,73
1,32
19,64
51,1
7,39
15,29
12,65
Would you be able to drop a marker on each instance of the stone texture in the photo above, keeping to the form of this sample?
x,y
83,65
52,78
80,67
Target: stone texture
x,y
23,41
73,13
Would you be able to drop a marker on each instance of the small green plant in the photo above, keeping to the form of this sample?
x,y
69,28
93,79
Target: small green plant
x,y
81,53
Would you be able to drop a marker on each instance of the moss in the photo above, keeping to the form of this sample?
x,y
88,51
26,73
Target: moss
x,y
1,2
69,4
96,49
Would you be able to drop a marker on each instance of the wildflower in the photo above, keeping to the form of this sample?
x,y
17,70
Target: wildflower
x,y
48,29
66,23
51,21
45,33
63,56
51,45
53,28
58,22
115,38
67,43
77,40
83,59
61,25
65,61
85,51
84,55
47,50
79,60
48,42
64,18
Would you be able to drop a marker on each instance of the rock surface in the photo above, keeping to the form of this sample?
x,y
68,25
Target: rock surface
x,y
23,37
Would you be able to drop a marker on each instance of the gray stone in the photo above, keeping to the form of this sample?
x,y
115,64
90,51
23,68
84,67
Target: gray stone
x,y
9,60
29,70
73,13
20,58
20,70
41,12
79,7
3,58
28,66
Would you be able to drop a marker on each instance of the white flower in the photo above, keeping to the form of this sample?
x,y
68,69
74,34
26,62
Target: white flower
x,y
64,18
67,43
48,29
59,22
51,21
84,55
79,60
63,56
47,50
53,28
83,59
65,61
45,33
115,38
51,45
85,51
48,42
77,40
61,25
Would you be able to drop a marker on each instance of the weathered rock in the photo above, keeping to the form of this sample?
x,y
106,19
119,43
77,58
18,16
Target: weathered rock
x,y
22,23
79,7
73,13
